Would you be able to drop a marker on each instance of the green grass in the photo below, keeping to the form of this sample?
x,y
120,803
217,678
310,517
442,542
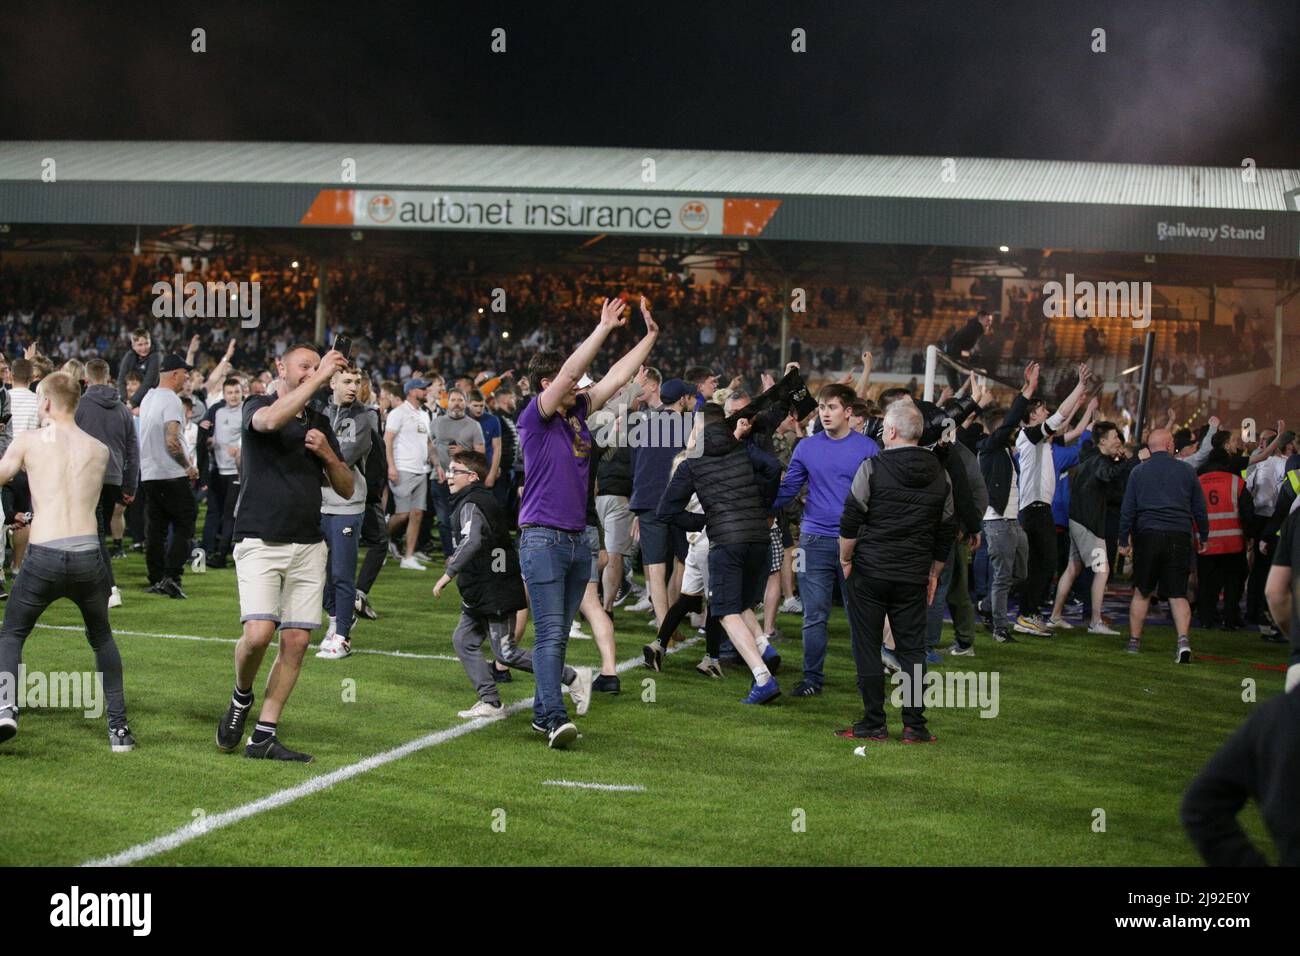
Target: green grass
x,y
1081,726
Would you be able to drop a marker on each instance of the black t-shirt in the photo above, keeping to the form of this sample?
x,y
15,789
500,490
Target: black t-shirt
x,y
280,494
1284,555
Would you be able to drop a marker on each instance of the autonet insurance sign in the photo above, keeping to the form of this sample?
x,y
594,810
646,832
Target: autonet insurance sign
x,y
541,212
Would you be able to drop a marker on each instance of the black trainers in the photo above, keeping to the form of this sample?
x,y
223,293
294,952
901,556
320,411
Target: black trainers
x,y
499,675
861,731
272,749
1004,637
805,689
172,588
217,562
120,739
155,588
8,723
607,684
654,655
117,553
231,727
363,608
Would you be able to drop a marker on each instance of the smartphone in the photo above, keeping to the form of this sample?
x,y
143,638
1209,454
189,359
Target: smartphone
x,y
343,345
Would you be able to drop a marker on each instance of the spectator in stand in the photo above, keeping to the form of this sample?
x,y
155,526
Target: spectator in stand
x,y
963,342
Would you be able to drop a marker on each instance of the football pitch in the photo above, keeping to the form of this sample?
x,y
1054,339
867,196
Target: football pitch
x,y
1084,763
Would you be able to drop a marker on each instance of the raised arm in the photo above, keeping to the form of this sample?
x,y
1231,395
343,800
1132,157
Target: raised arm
x,y
287,407
611,318
218,375
864,380
625,368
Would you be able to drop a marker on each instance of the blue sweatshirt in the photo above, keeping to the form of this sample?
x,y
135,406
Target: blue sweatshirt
x,y
828,467
1065,457
656,438
1163,494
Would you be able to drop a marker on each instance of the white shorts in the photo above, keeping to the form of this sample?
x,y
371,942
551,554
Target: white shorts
x,y
284,583
695,579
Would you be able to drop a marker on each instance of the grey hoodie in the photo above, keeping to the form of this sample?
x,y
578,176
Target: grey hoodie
x,y
356,427
101,414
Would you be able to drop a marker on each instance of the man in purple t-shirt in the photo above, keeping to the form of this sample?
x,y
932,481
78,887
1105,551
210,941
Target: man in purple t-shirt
x,y
554,559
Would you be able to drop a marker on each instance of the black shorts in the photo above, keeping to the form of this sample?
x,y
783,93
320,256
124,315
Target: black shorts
x,y
1162,559
783,522
660,541
737,576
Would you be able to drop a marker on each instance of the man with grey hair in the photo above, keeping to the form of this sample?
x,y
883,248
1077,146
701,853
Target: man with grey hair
x,y
895,535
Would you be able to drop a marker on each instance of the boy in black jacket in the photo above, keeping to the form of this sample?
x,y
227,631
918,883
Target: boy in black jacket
x,y
141,361
491,589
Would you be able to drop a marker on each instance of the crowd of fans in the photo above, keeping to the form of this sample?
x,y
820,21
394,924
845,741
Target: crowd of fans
x,y
1017,515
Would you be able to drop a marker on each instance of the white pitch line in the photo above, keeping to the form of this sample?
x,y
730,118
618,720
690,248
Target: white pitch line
x,y
170,841
622,787
235,640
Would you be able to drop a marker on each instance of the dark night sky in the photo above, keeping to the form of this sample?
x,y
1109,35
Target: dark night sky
x,y
1182,82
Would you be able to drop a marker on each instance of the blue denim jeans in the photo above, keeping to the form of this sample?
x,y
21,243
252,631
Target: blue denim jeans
x,y
342,536
934,613
821,572
440,494
556,566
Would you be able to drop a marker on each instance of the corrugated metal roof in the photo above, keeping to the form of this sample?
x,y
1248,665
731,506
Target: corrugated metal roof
x,y
601,169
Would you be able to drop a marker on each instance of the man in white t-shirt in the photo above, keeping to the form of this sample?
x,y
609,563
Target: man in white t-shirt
x,y
167,472
406,435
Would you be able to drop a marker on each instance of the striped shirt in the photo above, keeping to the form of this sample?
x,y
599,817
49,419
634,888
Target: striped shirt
x,y
22,404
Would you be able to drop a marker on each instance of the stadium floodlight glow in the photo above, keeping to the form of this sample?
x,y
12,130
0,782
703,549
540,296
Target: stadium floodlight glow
x,y
505,335
1004,248
294,264
480,310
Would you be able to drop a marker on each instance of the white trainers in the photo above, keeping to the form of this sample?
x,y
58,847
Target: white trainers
x,y
645,604
423,557
411,564
791,605
580,690
575,631
332,631
335,649
1101,628
1060,624
394,551
485,710
115,598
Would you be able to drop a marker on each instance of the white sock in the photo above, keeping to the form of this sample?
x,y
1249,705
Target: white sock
x,y
761,674
762,642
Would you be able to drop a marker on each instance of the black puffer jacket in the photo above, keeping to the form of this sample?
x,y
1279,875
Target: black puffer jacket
x,y
490,581
736,483
900,510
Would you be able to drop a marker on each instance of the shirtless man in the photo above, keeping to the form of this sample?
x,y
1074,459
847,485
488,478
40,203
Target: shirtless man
x,y
66,471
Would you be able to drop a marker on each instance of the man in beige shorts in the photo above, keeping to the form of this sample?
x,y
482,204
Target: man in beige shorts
x,y
288,452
